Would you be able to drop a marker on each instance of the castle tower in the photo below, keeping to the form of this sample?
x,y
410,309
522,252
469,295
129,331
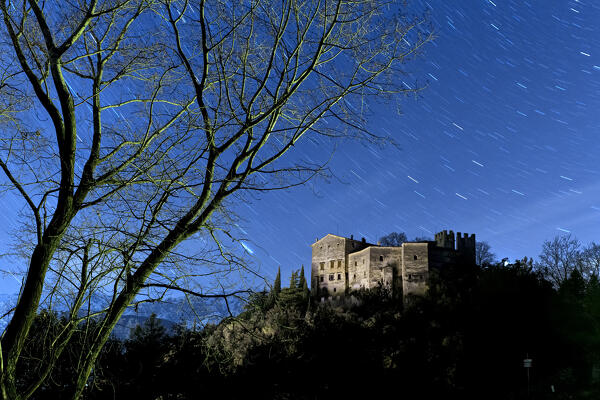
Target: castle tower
x,y
329,265
445,239
465,245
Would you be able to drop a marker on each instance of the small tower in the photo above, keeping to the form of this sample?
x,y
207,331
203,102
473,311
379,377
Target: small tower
x,y
445,239
465,245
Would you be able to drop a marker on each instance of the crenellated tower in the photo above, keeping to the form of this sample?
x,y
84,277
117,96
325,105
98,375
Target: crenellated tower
x,y
465,245
445,239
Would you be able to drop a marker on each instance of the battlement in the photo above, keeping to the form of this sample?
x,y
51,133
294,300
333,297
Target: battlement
x,y
445,239
465,242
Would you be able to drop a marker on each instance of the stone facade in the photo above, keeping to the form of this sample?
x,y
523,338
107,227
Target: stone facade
x,y
341,265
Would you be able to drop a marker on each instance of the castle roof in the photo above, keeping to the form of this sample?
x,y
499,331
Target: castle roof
x,y
342,237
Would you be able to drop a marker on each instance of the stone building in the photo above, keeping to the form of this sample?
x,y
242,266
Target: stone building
x,y
341,265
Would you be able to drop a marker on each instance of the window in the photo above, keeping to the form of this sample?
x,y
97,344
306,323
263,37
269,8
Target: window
x,y
322,265
409,276
331,277
365,274
363,260
380,258
321,278
355,263
354,277
331,264
339,264
415,257
334,289
339,277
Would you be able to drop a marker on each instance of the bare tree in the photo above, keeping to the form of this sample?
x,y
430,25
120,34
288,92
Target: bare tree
x,y
393,239
559,258
150,120
591,260
483,254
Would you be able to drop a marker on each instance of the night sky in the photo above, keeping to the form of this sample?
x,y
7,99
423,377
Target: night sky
x,y
502,143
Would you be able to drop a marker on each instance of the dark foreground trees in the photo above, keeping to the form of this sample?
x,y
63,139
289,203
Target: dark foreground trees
x,y
129,126
471,333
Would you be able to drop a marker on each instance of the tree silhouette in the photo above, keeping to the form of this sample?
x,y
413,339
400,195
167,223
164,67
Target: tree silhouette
x,y
393,239
483,254
559,258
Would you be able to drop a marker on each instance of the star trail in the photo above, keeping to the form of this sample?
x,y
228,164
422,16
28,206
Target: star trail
x,y
502,142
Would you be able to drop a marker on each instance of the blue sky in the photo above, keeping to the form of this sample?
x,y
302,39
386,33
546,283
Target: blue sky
x,y
503,142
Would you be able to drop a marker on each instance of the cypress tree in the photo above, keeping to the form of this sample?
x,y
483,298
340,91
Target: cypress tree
x,y
294,280
305,291
277,284
302,281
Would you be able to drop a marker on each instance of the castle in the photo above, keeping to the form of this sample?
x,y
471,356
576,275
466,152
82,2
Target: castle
x,y
341,265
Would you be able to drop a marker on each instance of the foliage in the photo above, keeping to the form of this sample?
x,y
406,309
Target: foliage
x,y
470,333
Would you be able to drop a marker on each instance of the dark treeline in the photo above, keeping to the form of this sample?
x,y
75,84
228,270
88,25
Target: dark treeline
x,y
466,339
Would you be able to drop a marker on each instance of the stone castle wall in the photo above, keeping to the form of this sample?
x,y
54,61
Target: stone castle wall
x,y
342,264
329,266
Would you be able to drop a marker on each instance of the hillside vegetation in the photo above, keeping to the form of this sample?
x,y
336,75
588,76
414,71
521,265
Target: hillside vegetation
x,y
466,339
